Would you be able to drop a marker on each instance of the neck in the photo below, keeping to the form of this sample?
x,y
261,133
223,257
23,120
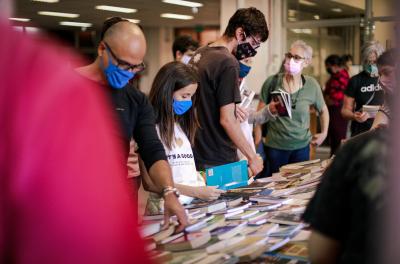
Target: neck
x,y
93,72
227,42
293,82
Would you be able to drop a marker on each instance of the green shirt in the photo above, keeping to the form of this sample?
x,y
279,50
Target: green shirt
x,y
292,133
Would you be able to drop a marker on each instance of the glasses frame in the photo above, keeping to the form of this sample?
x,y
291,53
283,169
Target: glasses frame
x,y
296,57
258,44
123,65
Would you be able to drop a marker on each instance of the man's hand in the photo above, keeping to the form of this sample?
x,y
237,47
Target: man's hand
x,y
256,165
172,206
361,117
241,113
317,139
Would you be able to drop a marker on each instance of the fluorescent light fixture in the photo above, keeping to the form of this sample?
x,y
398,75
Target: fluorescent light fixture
x,y
183,3
75,24
292,19
302,30
47,1
32,30
337,10
307,3
116,9
176,16
19,19
136,21
316,17
58,14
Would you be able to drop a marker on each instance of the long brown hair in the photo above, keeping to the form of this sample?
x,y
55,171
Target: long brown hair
x,y
170,78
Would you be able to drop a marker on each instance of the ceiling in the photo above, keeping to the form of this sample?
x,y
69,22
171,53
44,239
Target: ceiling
x,y
148,12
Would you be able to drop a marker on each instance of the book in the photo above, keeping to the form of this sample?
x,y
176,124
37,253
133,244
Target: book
x,y
228,231
244,215
264,207
286,218
284,108
188,241
288,231
372,110
252,251
163,234
206,207
228,176
295,250
268,199
246,95
232,201
150,229
160,256
189,258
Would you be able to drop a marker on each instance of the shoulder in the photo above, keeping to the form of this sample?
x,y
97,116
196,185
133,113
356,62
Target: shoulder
x,y
311,82
135,94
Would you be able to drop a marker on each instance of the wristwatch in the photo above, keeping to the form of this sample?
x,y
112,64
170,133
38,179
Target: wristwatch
x,y
169,189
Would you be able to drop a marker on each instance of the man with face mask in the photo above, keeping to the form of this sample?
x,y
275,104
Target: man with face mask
x,y
220,135
184,48
120,57
387,64
363,89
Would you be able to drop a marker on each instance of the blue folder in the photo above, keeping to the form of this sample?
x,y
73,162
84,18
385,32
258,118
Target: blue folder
x,y
228,176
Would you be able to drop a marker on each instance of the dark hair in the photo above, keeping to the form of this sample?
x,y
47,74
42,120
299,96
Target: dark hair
x,y
347,57
170,78
388,58
334,60
183,44
109,23
251,20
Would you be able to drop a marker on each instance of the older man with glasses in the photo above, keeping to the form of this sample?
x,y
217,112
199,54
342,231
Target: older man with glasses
x,y
120,57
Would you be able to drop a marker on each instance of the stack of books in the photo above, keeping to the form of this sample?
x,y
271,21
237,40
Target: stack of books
x,y
253,223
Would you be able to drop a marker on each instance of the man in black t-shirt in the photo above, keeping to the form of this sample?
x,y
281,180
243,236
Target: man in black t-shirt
x,y
363,89
120,57
220,134
349,202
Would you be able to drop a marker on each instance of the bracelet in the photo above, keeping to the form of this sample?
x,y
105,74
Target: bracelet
x,y
168,190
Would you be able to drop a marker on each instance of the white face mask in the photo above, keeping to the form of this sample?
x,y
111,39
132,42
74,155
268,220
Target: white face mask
x,y
293,68
185,59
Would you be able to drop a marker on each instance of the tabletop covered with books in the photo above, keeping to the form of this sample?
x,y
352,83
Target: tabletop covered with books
x,y
257,223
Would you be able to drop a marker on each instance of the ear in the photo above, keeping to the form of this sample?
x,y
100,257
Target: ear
x,y
101,48
239,33
178,55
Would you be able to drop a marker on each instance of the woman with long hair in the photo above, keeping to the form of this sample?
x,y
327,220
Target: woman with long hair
x,y
174,99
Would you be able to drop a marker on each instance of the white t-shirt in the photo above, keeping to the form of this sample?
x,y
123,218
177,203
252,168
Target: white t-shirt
x,y
181,159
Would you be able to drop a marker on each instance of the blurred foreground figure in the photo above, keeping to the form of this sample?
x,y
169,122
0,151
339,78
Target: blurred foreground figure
x,y
64,197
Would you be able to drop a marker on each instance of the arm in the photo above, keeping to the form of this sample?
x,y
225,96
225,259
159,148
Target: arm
x,y
322,249
232,127
207,193
324,122
257,128
381,119
347,108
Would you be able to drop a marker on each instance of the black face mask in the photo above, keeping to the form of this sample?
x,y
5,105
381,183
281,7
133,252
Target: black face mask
x,y
329,70
245,50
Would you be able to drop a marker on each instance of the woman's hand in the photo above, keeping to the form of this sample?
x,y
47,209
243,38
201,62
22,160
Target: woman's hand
x,y
208,193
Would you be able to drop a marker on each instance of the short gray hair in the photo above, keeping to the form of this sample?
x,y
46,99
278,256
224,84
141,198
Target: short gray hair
x,y
370,47
307,49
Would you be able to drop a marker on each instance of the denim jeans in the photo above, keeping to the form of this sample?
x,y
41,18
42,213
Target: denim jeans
x,y
279,157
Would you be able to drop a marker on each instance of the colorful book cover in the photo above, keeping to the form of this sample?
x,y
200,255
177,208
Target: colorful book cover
x,y
228,176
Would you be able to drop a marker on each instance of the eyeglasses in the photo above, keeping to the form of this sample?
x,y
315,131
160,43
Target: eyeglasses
x,y
123,65
297,58
255,43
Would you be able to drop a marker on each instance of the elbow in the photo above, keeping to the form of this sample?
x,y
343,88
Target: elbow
x,y
225,122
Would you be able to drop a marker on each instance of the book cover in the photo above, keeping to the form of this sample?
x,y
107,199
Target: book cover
x,y
246,95
284,108
228,176
286,218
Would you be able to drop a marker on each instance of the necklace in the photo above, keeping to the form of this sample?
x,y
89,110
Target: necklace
x,y
294,100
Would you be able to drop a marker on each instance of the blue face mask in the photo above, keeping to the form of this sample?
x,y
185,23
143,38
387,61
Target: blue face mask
x,y
181,107
244,70
116,77
372,69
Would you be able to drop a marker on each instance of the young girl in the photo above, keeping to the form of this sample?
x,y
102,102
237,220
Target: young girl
x,y
173,96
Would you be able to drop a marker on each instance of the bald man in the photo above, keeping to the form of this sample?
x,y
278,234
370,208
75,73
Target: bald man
x,y
120,56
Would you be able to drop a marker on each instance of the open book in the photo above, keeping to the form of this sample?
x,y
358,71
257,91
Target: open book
x,y
246,95
285,103
372,110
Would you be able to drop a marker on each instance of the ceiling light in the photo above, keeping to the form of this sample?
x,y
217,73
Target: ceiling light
x,y
316,17
183,3
307,3
46,1
75,24
302,30
32,30
176,16
19,19
337,10
116,9
292,19
58,14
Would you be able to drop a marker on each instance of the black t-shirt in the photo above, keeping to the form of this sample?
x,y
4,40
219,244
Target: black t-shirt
x,y
136,116
365,90
350,197
219,77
